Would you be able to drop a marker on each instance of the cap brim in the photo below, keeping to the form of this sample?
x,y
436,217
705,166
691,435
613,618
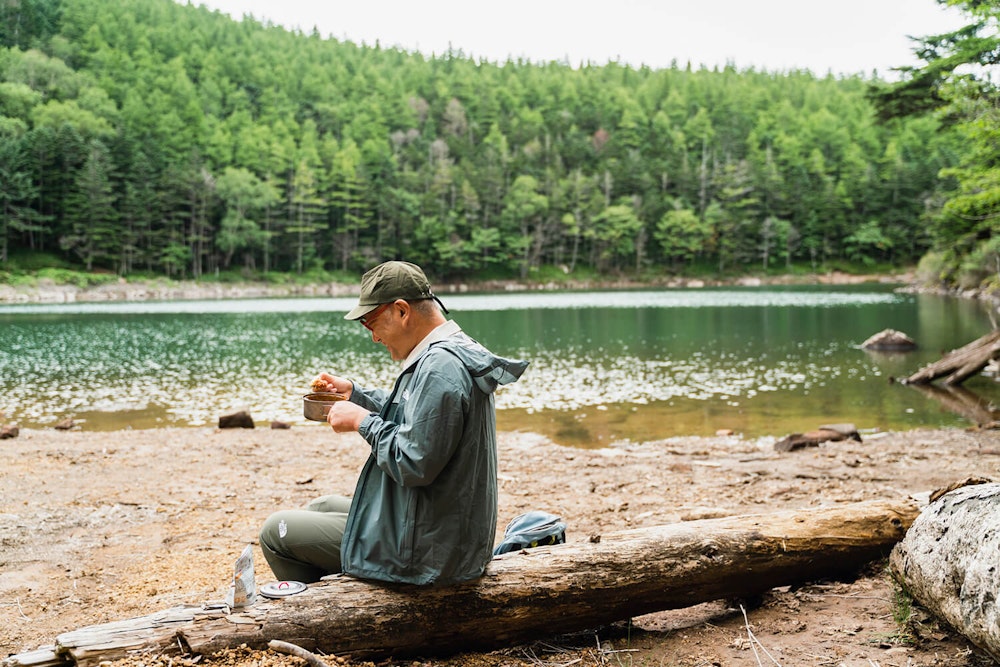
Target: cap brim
x,y
360,311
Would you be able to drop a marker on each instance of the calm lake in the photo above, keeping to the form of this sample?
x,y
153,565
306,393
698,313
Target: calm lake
x,y
605,365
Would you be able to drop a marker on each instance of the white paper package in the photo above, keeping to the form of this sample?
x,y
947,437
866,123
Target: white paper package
x,y
243,589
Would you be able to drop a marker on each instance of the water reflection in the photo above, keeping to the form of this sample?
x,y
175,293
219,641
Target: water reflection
x,y
961,401
605,366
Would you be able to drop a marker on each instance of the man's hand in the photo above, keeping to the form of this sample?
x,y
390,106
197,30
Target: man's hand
x,y
345,416
327,382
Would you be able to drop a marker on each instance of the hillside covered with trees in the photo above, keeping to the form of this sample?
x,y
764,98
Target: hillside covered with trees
x,y
149,137
958,83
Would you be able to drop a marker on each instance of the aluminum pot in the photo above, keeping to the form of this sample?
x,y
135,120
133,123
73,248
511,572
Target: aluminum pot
x,y
316,405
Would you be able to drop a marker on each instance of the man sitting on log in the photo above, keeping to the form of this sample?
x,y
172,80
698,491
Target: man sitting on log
x,y
425,507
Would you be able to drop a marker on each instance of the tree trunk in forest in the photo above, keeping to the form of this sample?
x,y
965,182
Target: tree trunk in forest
x,y
958,365
949,562
524,595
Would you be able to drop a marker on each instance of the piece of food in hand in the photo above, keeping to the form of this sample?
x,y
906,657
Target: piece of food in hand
x,y
319,384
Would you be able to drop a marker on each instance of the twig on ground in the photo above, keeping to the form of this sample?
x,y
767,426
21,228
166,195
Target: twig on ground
x,y
603,651
17,601
529,653
600,651
754,642
822,659
297,651
851,597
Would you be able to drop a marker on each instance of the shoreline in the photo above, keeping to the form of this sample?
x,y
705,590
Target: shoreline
x,y
524,439
124,291
47,292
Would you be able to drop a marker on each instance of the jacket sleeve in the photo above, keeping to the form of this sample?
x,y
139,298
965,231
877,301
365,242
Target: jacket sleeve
x,y
369,399
417,444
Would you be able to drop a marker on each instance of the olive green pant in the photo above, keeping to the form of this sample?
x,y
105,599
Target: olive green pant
x,y
304,544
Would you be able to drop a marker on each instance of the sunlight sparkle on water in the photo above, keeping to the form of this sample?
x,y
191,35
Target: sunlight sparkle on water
x,y
728,355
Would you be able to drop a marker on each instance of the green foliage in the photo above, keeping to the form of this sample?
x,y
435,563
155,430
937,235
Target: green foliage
x,y
924,89
23,22
981,265
58,276
902,613
155,137
615,232
957,82
682,235
932,268
868,243
30,262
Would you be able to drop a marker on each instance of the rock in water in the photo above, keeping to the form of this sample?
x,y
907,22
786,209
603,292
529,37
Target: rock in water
x,y
890,340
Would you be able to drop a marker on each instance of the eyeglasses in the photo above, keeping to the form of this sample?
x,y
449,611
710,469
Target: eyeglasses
x,y
367,319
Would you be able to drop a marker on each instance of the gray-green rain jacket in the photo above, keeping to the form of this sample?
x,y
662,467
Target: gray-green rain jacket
x,y
425,507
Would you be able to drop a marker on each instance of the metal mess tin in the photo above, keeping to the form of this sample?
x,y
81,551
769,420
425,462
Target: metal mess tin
x,y
316,405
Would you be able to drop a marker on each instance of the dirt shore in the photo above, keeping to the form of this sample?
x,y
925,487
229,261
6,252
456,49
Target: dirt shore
x,y
99,527
46,291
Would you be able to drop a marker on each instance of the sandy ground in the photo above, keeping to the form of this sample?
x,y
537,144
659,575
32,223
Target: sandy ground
x,y
100,527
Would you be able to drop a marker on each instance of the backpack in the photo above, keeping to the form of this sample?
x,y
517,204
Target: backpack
x,y
532,529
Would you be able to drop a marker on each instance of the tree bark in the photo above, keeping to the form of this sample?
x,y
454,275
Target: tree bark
x,y
524,595
949,562
958,365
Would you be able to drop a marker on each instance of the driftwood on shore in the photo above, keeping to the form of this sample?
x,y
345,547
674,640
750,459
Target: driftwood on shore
x,y
826,433
949,562
524,595
959,365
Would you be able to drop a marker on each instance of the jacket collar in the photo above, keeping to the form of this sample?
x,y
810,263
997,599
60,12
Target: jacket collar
x,y
449,328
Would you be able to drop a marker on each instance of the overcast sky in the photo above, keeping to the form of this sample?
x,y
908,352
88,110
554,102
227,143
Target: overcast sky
x,y
845,37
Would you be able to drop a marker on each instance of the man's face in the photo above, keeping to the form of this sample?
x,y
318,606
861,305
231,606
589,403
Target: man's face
x,y
388,324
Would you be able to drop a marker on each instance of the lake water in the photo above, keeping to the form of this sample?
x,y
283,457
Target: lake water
x,y
605,366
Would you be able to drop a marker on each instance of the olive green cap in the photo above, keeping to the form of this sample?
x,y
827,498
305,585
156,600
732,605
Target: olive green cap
x,y
390,281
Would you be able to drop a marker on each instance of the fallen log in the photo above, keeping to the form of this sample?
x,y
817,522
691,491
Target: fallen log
x,y
524,595
958,365
949,562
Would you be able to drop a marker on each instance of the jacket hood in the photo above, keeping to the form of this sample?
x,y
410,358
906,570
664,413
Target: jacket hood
x,y
487,369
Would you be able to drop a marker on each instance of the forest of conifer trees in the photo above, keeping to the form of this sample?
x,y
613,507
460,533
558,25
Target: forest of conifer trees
x,y
149,137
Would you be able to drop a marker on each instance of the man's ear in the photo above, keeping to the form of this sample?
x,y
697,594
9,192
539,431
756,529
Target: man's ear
x,y
403,307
